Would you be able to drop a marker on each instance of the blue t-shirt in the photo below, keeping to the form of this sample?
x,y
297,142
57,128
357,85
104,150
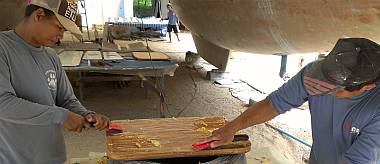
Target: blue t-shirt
x,y
172,17
344,130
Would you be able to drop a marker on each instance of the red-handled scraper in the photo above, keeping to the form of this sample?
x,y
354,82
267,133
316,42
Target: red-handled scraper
x,y
239,137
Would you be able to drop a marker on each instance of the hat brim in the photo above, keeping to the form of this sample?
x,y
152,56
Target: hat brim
x,y
68,25
315,81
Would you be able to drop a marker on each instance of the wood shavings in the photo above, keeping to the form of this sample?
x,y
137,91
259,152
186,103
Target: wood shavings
x,y
212,129
202,129
203,124
140,140
138,145
200,123
155,143
205,130
221,121
122,133
141,137
210,122
129,137
101,160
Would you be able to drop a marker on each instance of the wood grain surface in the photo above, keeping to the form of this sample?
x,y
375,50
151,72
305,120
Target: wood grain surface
x,y
146,139
150,56
70,58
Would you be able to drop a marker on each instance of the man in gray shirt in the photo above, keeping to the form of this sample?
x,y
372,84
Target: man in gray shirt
x,y
36,98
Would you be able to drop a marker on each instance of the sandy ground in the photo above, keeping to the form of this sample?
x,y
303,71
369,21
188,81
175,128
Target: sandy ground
x,y
188,93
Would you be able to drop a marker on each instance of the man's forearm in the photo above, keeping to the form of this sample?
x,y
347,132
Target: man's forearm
x,y
260,112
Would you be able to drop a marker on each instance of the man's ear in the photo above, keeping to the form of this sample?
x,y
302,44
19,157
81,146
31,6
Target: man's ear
x,y
38,14
368,87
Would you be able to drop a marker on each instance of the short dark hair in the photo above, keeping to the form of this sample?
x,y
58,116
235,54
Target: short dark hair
x,y
31,8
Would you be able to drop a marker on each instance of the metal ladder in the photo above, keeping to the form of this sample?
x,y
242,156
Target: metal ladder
x,y
83,5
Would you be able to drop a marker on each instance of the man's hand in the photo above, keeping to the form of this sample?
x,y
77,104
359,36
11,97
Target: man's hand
x,y
260,112
101,122
220,137
75,123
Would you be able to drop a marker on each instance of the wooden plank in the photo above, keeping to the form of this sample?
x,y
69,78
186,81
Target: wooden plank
x,y
111,47
78,46
97,55
70,58
112,56
127,55
150,56
92,55
136,47
107,78
167,138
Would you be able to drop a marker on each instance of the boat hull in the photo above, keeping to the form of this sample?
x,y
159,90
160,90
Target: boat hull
x,y
279,26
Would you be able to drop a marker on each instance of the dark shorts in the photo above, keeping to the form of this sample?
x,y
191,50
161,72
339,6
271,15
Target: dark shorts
x,y
172,28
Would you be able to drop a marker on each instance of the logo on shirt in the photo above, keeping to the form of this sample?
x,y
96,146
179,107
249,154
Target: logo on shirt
x,y
51,79
353,130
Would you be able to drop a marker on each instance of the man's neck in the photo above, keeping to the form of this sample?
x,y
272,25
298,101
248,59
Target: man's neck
x,y
26,34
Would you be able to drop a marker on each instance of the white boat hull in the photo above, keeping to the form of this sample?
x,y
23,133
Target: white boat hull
x,y
279,26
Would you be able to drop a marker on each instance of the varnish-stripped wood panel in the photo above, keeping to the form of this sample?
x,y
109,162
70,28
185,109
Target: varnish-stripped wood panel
x,y
97,55
136,47
70,58
167,138
92,55
112,56
150,56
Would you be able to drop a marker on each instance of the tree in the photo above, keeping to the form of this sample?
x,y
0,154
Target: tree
x,y
142,8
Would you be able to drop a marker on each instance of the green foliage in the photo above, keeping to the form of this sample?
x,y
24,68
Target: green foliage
x,y
142,8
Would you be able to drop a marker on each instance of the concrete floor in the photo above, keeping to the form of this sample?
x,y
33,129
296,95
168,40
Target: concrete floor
x,y
187,94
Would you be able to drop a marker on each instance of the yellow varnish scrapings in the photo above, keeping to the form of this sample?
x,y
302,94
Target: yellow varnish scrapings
x,y
155,143
138,145
205,130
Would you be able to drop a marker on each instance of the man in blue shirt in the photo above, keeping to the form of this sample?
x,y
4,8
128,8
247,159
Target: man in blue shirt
x,y
343,92
172,25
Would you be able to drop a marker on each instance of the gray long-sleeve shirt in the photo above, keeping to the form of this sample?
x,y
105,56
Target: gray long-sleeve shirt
x,y
35,97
